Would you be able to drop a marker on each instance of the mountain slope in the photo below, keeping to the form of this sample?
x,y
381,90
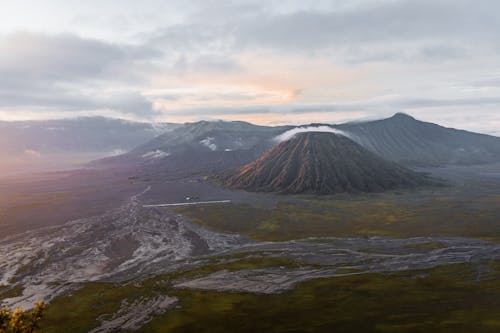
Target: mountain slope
x,y
408,141
211,136
321,163
38,145
205,147
202,147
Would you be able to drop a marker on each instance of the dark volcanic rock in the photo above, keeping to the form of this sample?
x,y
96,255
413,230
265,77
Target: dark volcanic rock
x,y
406,140
322,163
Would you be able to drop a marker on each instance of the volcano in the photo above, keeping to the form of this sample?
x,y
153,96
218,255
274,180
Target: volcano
x,y
322,163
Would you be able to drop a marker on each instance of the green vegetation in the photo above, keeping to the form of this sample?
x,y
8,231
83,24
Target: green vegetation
x,y
100,299
20,321
10,292
456,298
426,246
394,215
447,299
96,299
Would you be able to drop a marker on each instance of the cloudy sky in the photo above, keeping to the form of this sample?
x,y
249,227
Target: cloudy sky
x,y
268,62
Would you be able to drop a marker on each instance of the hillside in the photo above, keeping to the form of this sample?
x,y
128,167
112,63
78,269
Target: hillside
x,y
405,140
321,163
201,147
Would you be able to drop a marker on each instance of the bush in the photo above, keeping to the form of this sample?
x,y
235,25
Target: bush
x,y
20,321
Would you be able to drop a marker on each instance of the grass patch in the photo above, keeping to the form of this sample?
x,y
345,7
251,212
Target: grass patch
x,y
78,311
446,299
347,271
388,215
426,246
7,292
226,217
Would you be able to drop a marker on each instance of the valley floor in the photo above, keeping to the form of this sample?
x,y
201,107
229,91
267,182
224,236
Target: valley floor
x,y
400,261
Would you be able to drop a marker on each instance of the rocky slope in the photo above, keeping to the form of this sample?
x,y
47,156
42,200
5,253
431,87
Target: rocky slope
x,y
201,147
408,141
321,163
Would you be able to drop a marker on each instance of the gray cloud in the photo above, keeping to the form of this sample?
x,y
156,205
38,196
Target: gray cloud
x,y
66,57
389,21
384,106
127,102
70,73
426,29
203,63
415,40
428,102
487,83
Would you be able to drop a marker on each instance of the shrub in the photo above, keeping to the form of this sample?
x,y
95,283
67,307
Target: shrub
x,y
20,321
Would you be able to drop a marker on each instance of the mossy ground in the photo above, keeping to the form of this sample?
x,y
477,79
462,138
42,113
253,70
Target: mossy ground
x,y
446,299
390,215
7,292
456,298
78,311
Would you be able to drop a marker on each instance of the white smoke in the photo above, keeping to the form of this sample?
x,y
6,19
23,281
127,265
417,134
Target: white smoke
x,y
156,154
294,131
209,142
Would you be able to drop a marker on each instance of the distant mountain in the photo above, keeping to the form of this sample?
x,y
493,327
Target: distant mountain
x,y
321,163
211,146
62,143
212,136
202,147
85,134
408,141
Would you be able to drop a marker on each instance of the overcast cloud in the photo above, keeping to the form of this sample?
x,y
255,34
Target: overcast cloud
x,y
262,61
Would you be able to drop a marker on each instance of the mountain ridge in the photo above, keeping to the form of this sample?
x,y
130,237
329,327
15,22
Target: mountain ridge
x,y
212,146
408,141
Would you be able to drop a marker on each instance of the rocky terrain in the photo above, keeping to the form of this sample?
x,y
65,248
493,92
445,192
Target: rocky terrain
x,y
132,243
334,257
120,245
322,163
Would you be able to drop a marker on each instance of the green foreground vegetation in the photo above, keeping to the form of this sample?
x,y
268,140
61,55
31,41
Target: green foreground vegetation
x,y
456,298
390,215
101,299
446,299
